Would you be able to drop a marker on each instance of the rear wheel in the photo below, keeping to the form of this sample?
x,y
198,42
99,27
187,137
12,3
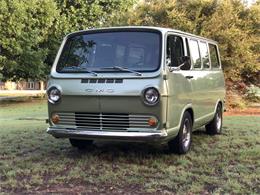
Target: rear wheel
x,y
80,144
181,144
215,126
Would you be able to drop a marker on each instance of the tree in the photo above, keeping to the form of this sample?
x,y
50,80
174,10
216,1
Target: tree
x,y
24,26
31,31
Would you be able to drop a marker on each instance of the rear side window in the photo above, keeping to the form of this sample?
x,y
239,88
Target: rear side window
x,y
204,54
214,56
195,54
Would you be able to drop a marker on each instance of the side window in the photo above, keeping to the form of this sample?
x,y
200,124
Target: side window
x,y
195,54
204,54
214,56
175,50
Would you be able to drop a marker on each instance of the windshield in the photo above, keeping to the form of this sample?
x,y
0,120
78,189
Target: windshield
x,y
138,51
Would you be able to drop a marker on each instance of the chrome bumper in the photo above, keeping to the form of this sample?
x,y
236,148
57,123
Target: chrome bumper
x,y
107,135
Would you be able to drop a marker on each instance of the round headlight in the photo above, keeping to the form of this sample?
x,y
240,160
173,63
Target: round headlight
x,y
54,95
151,96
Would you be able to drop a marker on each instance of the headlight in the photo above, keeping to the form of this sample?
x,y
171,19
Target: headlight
x,y
151,96
54,95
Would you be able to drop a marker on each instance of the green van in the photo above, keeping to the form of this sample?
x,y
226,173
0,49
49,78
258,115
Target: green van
x,y
136,84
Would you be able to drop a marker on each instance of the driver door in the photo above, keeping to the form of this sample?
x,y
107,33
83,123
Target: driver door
x,y
179,86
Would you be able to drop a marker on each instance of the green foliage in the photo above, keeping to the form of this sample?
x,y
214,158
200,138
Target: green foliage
x,y
24,26
235,26
82,14
31,31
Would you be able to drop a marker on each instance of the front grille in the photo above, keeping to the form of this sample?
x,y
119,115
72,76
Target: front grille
x,y
103,121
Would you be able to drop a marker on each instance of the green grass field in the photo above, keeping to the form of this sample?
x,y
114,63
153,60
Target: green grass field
x,y
32,161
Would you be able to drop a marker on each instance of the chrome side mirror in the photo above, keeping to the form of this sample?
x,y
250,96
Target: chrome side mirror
x,y
185,65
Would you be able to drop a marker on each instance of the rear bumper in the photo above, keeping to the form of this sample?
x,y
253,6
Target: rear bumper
x,y
107,135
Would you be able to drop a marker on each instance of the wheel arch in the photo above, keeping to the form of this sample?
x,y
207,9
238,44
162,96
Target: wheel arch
x,y
173,131
221,102
190,111
188,108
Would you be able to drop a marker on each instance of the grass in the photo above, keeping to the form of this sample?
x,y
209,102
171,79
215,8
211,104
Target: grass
x,y
32,161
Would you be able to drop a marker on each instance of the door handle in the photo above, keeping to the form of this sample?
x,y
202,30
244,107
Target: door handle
x,y
188,77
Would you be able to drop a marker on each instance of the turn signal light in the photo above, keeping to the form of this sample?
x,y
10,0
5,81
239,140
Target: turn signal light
x,y
152,121
55,118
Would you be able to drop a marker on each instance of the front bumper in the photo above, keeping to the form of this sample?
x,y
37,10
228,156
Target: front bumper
x,y
107,135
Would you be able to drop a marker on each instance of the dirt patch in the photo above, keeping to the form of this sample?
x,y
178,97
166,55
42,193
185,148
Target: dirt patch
x,y
248,111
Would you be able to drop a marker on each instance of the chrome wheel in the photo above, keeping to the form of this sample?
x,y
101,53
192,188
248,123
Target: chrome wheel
x,y
182,142
215,126
219,121
186,137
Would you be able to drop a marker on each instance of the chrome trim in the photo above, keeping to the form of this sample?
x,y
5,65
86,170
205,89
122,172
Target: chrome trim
x,y
48,92
103,121
144,99
110,135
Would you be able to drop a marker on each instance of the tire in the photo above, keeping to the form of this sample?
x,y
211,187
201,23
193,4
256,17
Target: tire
x,y
182,142
215,126
80,144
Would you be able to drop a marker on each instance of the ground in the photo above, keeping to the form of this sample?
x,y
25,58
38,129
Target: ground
x,y
32,161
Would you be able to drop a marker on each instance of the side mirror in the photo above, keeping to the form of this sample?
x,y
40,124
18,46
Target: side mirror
x,y
186,63
168,62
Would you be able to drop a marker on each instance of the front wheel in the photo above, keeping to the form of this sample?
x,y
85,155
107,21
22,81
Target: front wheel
x,y
215,126
80,144
181,144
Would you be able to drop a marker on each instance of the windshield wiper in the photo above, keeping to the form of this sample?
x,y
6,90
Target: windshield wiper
x,y
123,69
77,69
94,73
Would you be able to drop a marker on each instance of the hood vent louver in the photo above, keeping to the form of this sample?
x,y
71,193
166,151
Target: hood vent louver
x,y
102,81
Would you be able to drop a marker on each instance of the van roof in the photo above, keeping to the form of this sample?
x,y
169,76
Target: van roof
x,y
163,30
